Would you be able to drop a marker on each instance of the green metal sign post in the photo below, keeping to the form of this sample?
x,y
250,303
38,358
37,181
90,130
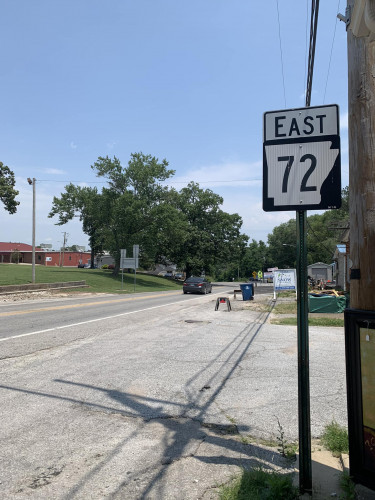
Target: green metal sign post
x,y
304,427
302,171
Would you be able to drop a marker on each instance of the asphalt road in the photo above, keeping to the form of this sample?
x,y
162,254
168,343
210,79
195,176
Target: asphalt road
x,y
148,402
34,317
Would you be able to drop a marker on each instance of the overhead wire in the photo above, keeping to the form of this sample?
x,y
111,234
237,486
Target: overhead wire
x,y
306,40
170,182
318,238
281,50
330,56
312,45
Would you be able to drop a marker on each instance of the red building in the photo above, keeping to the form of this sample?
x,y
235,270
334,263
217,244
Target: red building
x,y
22,253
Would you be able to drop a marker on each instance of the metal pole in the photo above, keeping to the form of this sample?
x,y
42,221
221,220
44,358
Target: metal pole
x,y
63,251
305,470
33,234
135,270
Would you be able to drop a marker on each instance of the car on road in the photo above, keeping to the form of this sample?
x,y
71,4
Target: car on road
x,y
196,285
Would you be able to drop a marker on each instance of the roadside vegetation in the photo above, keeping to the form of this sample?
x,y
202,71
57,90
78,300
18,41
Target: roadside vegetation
x,y
286,308
320,321
287,312
260,484
335,439
98,280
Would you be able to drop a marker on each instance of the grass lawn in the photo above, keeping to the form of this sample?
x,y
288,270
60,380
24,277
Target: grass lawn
x,y
98,280
320,321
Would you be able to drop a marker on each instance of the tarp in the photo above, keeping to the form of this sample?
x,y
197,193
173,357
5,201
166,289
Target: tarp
x,y
327,304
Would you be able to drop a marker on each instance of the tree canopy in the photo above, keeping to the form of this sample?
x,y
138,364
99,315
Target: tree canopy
x,y
8,192
187,228
323,234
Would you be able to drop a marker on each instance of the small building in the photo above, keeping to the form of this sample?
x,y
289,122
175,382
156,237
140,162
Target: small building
x,y
320,271
21,253
342,264
104,260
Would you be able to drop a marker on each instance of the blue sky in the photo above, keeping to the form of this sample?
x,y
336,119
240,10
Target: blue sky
x,y
185,81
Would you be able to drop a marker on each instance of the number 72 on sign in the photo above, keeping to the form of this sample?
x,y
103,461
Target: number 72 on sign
x,y
301,159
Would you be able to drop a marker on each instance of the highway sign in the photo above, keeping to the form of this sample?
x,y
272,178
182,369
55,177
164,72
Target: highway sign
x,y
301,159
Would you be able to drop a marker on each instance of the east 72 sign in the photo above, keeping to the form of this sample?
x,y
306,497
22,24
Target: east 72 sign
x,y
301,159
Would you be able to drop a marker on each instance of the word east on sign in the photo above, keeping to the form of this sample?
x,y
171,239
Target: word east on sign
x,y
301,159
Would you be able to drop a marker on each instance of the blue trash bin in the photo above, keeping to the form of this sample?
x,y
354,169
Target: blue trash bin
x,y
247,290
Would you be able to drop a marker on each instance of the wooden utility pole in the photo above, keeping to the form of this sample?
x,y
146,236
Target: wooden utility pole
x,y
360,317
361,108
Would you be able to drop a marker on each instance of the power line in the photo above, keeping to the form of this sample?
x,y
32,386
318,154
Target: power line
x,y
330,56
313,31
170,182
281,50
306,39
318,238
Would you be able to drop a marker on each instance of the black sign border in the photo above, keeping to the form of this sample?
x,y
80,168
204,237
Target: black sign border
x,y
331,187
277,111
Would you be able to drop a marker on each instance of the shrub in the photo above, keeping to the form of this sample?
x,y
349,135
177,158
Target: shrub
x,y
335,438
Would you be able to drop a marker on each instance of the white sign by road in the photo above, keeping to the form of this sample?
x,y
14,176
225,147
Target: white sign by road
x,y
301,159
284,279
129,263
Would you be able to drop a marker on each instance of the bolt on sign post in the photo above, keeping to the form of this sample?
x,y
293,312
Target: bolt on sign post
x,y
302,171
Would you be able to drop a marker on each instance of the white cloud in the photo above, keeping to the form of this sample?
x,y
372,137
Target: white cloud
x,y
226,173
54,171
257,224
240,185
18,227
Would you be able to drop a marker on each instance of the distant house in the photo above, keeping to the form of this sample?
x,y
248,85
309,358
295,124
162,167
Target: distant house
x,y
320,271
341,260
105,260
21,253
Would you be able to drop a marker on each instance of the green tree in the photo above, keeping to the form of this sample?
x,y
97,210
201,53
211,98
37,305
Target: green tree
x,y
282,245
213,236
87,204
135,202
7,191
323,234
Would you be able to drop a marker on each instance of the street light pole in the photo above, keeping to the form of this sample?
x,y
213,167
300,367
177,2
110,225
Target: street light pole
x,y
32,182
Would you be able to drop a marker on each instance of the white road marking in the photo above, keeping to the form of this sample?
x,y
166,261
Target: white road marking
x,y
98,319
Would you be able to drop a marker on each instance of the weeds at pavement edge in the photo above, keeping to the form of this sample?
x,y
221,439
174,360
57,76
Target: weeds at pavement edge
x,y
335,439
258,483
286,449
